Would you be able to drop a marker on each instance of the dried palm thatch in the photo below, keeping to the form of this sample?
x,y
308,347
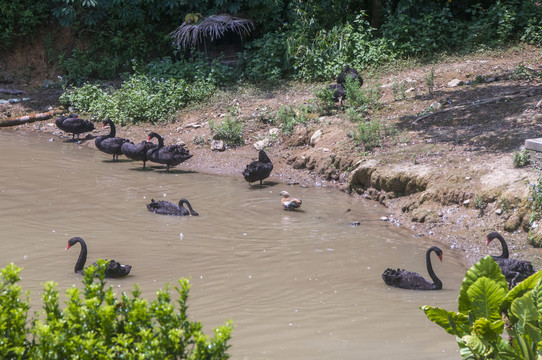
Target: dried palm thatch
x,y
211,28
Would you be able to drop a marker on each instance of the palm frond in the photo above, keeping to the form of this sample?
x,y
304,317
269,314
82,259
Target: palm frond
x,y
212,28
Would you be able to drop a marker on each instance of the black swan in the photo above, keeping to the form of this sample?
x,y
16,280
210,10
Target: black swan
x,y
167,208
289,203
347,73
170,155
113,269
339,94
74,125
412,280
515,271
110,144
258,170
137,152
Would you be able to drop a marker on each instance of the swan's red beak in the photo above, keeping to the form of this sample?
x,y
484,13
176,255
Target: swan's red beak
x,y
149,138
440,257
487,241
67,247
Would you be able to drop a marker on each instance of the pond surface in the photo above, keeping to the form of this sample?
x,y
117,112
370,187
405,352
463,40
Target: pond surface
x,y
297,285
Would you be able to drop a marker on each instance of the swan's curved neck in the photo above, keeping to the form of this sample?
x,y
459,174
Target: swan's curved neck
x,y
504,254
184,201
436,280
160,140
264,158
80,264
112,130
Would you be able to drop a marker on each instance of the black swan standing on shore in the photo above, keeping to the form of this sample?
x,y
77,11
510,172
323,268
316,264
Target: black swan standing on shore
x,y
515,271
168,208
412,280
170,155
349,73
258,170
74,124
113,270
110,144
137,152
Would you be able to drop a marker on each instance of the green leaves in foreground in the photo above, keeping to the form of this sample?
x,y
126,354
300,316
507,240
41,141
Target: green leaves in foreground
x,y
485,305
96,324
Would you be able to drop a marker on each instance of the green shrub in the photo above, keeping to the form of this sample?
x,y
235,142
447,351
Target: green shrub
x,y
266,59
535,200
21,18
95,324
230,130
288,117
521,158
325,100
484,305
139,99
360,98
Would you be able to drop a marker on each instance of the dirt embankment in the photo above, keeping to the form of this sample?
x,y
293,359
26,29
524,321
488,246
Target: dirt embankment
x,y
445,171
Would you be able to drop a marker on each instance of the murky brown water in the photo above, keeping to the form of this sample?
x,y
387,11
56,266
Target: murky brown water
x,y
298,285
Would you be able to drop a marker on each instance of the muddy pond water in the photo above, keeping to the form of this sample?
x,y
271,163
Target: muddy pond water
x,y
297,285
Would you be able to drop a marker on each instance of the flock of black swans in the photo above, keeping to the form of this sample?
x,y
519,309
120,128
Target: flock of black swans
x,y
514,271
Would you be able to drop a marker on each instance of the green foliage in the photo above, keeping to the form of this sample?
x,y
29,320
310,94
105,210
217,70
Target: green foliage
x,y
266,59
521,158
13,315
360,98
229,130
369,134
19,19
535,200
138,99
325,100
95,324
288,117
484,301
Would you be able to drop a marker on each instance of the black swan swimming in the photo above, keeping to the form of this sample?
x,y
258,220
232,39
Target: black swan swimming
x,y
258,170
137,152
74,124
515,271
289,203
110,144
170,155
113,270
168,208
412,280
349,73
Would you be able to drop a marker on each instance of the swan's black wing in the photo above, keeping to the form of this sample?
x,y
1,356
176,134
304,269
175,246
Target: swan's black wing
x,y
164,208
115,269
137,152
515,271
406,279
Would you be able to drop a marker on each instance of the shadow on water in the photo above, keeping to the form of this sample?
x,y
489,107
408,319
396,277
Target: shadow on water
x,y
297,285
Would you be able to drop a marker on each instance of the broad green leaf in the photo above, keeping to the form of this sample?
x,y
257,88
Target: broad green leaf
x,y
524,310
487,330
520,289
454,323
485,297
481,349
488,268
536,296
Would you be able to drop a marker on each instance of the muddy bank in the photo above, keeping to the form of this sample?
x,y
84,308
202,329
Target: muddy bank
x,y
446,174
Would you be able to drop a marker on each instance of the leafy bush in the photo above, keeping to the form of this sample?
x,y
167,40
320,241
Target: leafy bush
x,y
521,158
266,59
484,305
138,99
288,117
325,100
230,130
360,98
20,18
95,324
